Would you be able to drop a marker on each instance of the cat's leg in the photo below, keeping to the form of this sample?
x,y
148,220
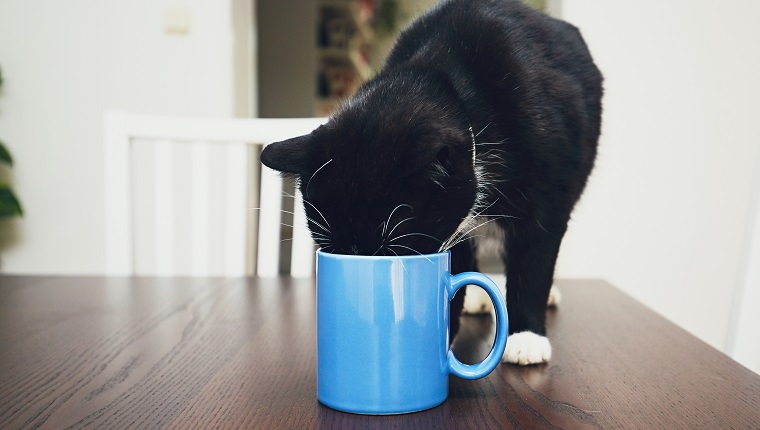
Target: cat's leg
x,y
477,301
462,260
488,251
530,265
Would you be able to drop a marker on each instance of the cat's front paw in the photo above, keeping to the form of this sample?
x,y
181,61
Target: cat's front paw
x,y
526,348
477,301
554,297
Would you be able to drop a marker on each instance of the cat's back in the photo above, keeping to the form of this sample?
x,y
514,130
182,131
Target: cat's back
x,y
490,48
482,32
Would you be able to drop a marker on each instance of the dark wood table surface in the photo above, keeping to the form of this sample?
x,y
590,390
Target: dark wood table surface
x,y
145,353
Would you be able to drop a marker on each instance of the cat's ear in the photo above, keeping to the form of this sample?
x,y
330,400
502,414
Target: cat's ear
x,y
425,156
290,156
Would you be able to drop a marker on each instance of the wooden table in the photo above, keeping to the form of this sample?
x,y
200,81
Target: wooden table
x,y
118,353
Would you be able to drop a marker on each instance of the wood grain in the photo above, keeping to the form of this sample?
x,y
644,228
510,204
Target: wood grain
x,y
240,353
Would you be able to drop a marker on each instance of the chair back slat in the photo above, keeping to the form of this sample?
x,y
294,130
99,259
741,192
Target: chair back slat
x,y
188,197
302,256
270,216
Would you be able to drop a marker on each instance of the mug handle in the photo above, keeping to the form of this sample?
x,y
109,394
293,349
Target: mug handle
x,y
479,370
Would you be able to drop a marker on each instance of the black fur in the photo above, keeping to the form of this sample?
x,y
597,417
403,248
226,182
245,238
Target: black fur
x,y
392,171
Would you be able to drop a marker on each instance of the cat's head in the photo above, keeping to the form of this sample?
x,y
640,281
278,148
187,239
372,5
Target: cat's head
x,y
390,173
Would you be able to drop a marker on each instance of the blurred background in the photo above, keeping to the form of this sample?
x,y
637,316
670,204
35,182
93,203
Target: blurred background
x,y
671,215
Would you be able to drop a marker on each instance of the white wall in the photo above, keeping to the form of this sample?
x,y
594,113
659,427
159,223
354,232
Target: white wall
x,y
65,63
668,209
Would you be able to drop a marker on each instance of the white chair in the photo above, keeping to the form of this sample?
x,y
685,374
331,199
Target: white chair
x,y
181,193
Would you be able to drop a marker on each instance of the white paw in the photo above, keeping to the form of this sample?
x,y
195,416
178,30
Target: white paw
x,y
527,348
554,296
477,301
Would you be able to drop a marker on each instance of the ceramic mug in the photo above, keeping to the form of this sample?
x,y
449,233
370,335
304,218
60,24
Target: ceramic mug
x,y
383,331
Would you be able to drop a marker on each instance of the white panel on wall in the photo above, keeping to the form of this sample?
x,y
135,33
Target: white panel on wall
x,y
743,341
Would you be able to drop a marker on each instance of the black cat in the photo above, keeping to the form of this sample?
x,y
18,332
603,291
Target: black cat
x,y
486,113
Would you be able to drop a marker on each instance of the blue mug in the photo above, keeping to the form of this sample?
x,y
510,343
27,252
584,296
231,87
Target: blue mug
x,y
383,331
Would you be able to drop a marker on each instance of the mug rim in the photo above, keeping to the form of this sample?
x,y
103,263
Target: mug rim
x,y
324,254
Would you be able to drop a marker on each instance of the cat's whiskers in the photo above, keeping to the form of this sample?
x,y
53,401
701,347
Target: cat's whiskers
x,y
411,249
492,153
308,219
464,236
321,239
487,185
398,224
467,221
318,211
327,248
484,129
391,216
402,262
415,234
306,190
293,213
502,141
327,229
